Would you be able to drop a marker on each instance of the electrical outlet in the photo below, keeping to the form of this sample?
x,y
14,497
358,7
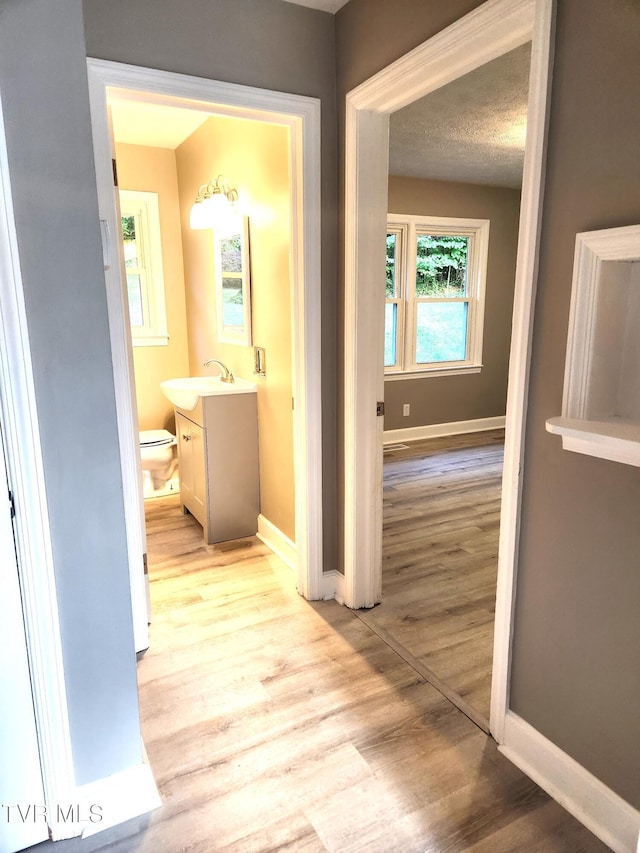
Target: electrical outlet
x,y
406,410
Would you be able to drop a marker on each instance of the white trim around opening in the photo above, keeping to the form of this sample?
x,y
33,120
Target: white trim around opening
x,y
19,417
491,30
301,115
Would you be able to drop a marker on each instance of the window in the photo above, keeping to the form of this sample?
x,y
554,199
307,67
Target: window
x,y
434,296
143,267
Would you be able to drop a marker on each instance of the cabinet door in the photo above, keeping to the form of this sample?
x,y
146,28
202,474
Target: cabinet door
x,y
191,449
199,478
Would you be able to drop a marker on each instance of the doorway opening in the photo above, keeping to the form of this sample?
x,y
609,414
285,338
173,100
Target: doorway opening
x,y
455,177
485,34
298,119
162,155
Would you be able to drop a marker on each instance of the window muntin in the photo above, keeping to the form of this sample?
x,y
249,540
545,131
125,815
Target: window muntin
x,y
140,222
437,294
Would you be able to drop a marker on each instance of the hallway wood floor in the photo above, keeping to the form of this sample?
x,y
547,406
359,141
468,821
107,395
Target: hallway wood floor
x,y
440,560
273,724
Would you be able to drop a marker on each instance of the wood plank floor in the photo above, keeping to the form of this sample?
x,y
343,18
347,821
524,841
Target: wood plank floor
x,y
273,724
440,558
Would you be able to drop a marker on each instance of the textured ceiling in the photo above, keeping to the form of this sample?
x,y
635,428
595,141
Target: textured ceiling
x,y
324,5
472,130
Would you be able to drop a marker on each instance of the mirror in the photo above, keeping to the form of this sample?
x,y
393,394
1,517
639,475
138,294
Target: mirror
x,y
233,283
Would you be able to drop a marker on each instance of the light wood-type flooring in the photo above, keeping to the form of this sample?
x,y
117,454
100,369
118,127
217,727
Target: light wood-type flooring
x,y
274,724
440,560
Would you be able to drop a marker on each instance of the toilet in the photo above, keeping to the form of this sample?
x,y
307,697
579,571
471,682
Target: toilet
x,y
158,457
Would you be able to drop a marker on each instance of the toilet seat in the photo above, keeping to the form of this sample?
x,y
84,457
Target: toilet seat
x,y
156,438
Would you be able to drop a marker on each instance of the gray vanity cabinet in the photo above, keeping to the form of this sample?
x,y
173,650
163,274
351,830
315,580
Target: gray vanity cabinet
x,y
218,465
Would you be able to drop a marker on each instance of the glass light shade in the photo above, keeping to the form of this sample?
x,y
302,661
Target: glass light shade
x,y
210,212
198,218
230,223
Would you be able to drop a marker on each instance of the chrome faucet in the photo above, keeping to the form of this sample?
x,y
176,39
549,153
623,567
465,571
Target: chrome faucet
x,y
225,374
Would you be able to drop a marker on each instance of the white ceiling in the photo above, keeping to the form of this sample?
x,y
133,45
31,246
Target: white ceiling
x,y
148,124
472,130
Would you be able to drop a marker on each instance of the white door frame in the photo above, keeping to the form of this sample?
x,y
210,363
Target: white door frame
x,y
493,29
301,115
18,412
21,778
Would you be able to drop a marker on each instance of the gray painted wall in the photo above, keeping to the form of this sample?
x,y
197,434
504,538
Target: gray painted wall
x,y
263,43
44,93
444,399
371,34
575,672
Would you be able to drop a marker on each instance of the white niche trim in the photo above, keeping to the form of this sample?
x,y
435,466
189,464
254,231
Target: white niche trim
x,y
601,400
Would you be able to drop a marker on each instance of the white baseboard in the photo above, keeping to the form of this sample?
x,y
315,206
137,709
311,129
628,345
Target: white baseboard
x,y
106,803
595,805
437,430
280,544
333,586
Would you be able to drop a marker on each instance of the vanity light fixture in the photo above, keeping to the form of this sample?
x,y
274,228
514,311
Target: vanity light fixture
x,y
215,204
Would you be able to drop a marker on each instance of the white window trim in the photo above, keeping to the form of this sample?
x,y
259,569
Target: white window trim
x,y
144,206
408,225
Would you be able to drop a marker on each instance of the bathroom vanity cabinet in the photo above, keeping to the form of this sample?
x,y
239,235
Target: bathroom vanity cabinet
x,y
218,464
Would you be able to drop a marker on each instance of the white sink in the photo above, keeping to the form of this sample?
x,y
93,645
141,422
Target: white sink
x,y
185,393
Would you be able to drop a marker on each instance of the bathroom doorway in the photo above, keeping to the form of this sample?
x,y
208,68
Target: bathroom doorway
x,y
297,121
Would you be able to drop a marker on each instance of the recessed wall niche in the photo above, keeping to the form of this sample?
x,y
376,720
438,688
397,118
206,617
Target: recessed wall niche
x,y
601,401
